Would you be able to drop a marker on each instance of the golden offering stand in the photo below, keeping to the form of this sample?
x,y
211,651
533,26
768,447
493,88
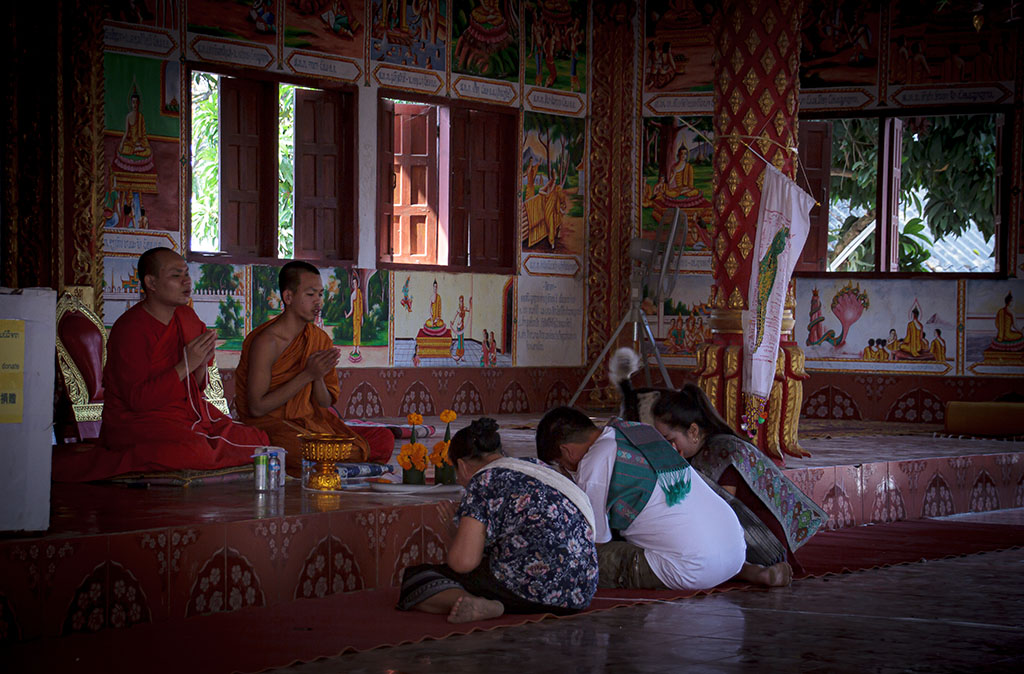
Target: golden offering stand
x,y
325,451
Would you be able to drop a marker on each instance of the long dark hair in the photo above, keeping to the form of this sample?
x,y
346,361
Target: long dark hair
x,y
690,405
475,441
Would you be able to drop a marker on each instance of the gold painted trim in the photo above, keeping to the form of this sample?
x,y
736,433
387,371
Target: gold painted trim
x,y
81,407
214,392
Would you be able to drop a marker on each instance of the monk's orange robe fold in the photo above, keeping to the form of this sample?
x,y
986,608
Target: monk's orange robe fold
x,y
302,414
153,421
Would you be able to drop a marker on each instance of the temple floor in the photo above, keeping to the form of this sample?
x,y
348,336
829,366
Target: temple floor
x,y
211,550
949,615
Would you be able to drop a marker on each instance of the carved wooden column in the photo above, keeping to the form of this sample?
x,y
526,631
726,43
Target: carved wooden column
x,y
613,119
757,48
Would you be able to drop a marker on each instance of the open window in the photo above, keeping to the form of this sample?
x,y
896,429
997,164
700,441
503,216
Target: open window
x,y
904,192
446,185
272,169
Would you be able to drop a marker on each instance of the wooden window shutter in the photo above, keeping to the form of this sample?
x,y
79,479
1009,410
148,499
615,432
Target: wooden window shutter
x,y
415,193
997,203
490,206
814,174
248,167
458,188
887,234
386,178
319,181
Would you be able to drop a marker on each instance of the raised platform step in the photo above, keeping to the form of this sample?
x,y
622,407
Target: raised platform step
x,y
117,557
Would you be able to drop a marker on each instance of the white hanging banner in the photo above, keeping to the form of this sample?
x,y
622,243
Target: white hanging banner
x,y
782,226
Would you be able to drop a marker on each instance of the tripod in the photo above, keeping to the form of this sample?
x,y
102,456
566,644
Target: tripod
x,y
649,254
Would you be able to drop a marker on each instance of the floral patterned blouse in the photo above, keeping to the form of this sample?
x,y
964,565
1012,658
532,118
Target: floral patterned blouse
x,y
538,543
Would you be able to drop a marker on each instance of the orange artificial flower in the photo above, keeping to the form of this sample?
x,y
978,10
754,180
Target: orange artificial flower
x,y
448,416
439,457
414,419
413,456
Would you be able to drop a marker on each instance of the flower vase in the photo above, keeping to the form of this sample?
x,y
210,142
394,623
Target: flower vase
x,y
413,476
444,474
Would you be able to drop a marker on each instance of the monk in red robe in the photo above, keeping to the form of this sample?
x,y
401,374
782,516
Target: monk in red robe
x,y
286,381
154,414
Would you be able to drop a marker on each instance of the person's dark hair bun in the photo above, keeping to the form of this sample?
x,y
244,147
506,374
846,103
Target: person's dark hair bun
x,y
478,439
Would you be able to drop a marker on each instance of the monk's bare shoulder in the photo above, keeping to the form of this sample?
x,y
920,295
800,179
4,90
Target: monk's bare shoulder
x,y
267,346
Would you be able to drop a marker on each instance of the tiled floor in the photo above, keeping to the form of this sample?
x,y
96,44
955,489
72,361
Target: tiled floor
x,y
953,615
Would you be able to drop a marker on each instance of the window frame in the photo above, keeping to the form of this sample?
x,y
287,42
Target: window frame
x,y
348,133
447,181
885,241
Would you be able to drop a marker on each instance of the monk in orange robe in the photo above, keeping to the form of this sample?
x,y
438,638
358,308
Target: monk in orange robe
x,y
154,414
286,381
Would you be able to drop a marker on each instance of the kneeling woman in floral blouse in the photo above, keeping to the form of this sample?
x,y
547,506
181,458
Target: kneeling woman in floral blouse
x,y
524,544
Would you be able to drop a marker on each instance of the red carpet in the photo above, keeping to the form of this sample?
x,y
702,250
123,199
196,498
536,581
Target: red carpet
x,y
256,639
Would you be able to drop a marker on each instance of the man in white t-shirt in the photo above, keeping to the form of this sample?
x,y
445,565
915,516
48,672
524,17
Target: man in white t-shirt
x,y
694,543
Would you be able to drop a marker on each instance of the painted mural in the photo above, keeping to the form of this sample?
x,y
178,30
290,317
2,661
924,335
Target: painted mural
x,y
141,146
681,321
884,325
485,38
332,26
556,44
162,14
677,173
411,33
554,184
960,41
249,21
839,43
454,320
677,46
995,327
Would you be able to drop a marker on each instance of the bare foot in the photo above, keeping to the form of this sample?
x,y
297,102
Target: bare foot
x,y
470,608
776,575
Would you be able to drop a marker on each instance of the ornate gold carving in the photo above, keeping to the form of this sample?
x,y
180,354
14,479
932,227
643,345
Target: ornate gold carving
x,y
768,61
731,265
782,43
733,143
780,123
746,202
720,202
765,102
752,42
747,161
732,181
734,101
778,161
781,82
78,392
769,19
732,394
736,299
737,61
733,359
745,245
732,224
770,442
723,120
723,82
723,161
751,81
720,245
791,104
214,392
749,123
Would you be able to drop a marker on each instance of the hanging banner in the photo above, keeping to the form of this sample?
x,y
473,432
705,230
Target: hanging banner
x,y
782,225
